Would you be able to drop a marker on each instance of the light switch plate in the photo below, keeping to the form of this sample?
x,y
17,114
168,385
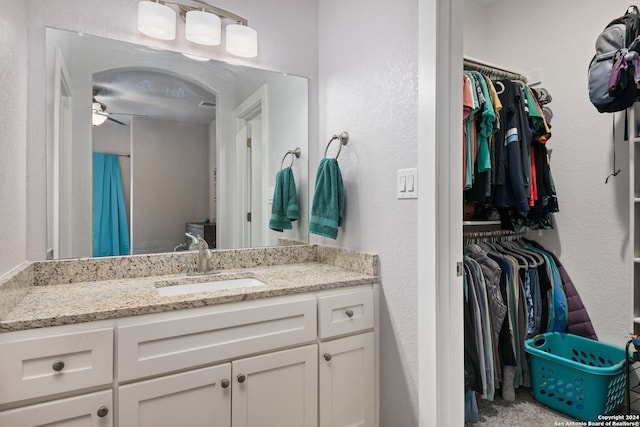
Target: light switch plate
x,y
407,183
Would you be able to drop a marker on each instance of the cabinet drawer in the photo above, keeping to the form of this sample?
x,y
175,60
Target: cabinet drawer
x,y
88,410
345,313
56,364
228,331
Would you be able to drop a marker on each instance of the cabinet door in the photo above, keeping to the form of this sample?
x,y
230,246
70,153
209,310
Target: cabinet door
x,y
88,410
347,382
276,389
197,398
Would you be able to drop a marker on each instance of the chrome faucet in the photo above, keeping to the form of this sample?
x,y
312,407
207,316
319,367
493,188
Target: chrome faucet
x,y
204,255
194,241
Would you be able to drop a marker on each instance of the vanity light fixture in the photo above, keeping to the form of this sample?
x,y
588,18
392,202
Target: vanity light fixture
x,y
156,20
203,25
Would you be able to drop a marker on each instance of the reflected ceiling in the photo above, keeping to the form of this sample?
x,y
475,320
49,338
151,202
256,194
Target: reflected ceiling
x,y
154,94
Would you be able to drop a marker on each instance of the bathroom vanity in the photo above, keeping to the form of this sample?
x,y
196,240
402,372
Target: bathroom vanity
x,y
296,348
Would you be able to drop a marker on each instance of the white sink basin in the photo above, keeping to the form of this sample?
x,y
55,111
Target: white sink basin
x,y
215,285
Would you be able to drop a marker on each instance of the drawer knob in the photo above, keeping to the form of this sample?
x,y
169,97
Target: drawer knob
x,y
225,383
327,357
102,411
241,378
349,313
58,366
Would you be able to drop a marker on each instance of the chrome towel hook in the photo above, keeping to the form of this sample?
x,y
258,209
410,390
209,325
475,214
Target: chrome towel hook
x,y
295,152
343,138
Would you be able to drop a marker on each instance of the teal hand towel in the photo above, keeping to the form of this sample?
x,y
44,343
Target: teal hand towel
x,y
327,210
285,201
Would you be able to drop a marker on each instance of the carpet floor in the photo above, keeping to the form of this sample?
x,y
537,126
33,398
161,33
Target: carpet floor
x,y
524,411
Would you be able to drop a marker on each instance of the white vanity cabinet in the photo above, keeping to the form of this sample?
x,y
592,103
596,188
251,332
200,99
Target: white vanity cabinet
x,y
87,410
198,398
276,389
347,363
273,389
302,360
44,364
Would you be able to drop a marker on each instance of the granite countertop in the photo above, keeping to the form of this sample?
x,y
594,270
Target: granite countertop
x,y
84,301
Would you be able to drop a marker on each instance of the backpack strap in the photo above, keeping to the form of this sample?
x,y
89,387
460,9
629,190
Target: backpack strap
x,y
615,171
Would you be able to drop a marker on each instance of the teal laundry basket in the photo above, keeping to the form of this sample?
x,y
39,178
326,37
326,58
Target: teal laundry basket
x,y
578,376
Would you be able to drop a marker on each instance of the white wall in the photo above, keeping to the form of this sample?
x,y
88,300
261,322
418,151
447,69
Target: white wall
x,y
288,123
591,228
369,87
170,175
291,47
13,136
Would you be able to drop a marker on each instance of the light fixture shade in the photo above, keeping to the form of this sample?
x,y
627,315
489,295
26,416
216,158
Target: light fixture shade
x,y
156,20
242,41
98,119
203,28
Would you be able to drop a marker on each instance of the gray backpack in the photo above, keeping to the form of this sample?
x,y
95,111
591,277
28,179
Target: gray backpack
x,y
612,86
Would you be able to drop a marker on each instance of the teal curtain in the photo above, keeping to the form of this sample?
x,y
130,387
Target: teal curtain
x,y
110,226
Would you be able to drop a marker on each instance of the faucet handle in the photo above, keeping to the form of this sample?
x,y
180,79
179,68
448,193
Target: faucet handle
x,y
202,244
194,241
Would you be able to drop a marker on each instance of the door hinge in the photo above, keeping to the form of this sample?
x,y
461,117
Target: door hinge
x,y
459,269
248,142
248,216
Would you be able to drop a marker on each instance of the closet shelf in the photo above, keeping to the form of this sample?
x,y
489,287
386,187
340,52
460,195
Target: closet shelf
x,y
636,320
636,260
480,223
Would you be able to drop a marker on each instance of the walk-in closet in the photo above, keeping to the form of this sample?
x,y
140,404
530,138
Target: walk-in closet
x,y
574,217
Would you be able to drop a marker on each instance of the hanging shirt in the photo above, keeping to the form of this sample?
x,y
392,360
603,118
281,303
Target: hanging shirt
x,y
510,188
486,120
470,135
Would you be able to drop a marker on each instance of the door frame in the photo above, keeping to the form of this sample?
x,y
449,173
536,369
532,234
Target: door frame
x,y
440,288
256,104
61,244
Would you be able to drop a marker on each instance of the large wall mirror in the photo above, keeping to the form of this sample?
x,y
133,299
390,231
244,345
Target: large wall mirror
x,y
146,144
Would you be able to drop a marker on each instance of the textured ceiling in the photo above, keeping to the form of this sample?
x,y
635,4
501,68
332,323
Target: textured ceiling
x,y
153,94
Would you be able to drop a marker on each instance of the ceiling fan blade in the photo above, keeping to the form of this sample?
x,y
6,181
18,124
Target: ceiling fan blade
x,y
130,114
117,121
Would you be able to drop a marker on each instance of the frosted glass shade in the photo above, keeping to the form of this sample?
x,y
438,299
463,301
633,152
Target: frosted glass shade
x,y
156,20
203,28
242,41
98,119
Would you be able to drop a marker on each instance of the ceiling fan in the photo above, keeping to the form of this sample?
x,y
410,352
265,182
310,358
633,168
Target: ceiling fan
x,y
99,114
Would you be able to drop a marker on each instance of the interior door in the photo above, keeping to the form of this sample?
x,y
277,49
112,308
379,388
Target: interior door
x,y
257,208
243,180
250,183
252,166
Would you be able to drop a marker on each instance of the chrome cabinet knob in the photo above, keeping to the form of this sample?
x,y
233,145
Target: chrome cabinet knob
x,y
225,383
58,366
327,357
241,378
102,411
349,313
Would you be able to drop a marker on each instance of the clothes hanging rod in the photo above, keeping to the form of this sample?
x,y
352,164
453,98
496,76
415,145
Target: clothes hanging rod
x,y
492,70
493,235
115,154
